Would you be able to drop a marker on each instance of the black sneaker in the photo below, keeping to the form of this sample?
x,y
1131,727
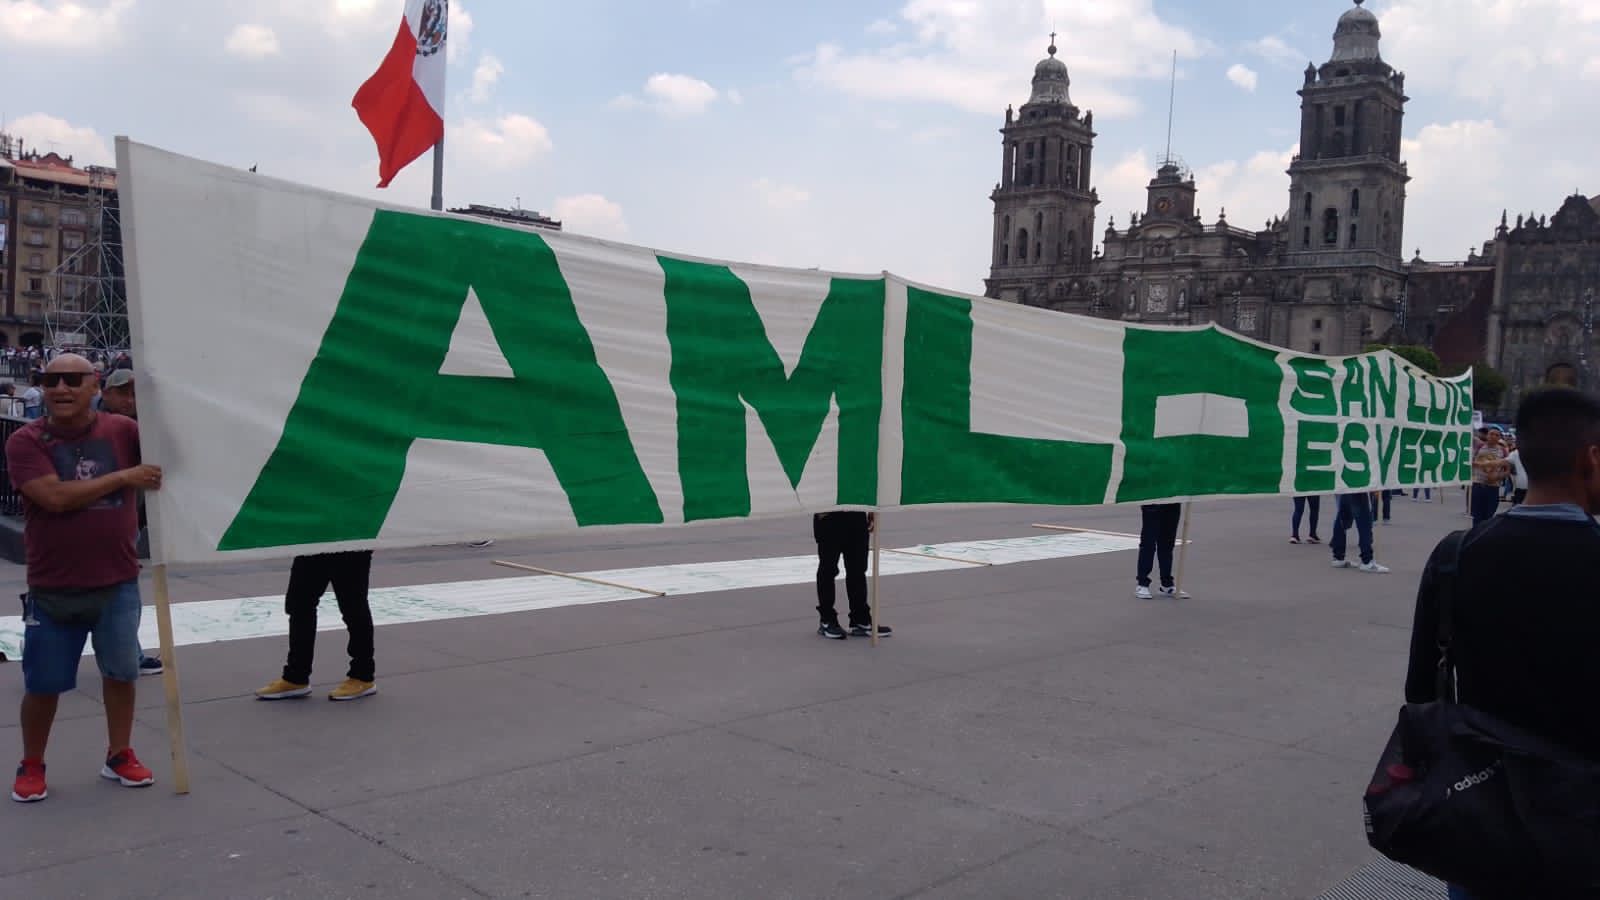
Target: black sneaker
x,y
866,631
150,665
831,631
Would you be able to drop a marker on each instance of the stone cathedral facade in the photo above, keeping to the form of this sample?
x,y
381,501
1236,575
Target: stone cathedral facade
x,y
1326,277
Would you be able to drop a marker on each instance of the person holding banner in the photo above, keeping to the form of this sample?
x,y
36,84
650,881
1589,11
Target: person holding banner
x,y
1158,534
847,534
1488,470
1354,509
79,472
1300,505
349,573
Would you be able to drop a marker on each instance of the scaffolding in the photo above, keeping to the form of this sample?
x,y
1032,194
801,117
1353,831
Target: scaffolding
x,y
88,309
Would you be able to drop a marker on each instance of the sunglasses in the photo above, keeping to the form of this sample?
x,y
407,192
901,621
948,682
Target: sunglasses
x,y
73,379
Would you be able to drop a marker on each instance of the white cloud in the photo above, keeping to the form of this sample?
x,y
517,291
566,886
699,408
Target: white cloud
x,y
966,54
882,27
459,40
508,142
591,214
1513,56
1445,221
1252,191
47,133
485,77
679,94
252,42
277,110
734,97
779,196
1243,77
1275,49
59,24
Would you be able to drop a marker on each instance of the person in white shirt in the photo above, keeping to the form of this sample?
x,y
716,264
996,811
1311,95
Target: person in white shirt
x,y
1519,478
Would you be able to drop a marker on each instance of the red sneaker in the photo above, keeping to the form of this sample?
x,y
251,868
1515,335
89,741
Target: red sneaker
x,y
29,786
126,768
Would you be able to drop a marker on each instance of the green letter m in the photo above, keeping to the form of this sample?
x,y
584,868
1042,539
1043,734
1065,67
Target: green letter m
x,y
722,360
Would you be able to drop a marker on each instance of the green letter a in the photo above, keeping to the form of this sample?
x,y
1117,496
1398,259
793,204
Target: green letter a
x,y
374,387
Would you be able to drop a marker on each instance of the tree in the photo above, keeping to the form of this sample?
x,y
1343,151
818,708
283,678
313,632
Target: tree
x,y
1421,357
1488,385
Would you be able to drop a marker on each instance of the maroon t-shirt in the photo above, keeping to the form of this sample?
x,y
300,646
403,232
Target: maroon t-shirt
x,y
91,547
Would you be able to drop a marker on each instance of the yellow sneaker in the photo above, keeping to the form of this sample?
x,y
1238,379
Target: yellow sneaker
x,y
352,689
283,690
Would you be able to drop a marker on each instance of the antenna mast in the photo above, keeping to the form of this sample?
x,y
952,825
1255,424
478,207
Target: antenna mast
x,y
1172,100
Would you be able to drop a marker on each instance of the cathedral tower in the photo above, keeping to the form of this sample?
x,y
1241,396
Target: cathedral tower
x,y
1348,186
1043,205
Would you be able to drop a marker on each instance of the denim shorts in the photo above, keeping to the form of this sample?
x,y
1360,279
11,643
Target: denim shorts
x,y
51,651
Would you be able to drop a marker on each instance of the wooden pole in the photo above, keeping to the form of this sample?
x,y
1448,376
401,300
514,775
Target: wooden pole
x,y
877,529
1083,530
1183,553
169,680
970,562
626,587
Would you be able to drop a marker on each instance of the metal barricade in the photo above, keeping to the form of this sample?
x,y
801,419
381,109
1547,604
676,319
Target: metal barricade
x,y
10,498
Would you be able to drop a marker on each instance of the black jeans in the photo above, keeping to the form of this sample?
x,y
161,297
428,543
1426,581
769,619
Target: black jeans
x,y
1300,504
842,534
1157,535
309,577
1485,502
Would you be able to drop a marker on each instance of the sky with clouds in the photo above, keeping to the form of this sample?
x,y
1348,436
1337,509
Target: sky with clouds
x,y
854,135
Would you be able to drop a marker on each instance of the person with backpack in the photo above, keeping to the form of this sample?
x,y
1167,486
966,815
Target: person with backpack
x,y
1519,627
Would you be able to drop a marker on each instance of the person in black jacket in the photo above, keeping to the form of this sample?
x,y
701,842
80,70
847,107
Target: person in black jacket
x,y
1525,623
846,534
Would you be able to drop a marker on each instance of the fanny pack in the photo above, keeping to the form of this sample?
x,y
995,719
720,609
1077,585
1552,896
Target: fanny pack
x,y
78,608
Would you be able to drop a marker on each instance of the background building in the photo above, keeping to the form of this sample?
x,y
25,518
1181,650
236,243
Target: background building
x,y
1327,277
56,278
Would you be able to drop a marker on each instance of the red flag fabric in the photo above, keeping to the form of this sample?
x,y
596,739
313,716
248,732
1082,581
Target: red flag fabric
x,y
402,104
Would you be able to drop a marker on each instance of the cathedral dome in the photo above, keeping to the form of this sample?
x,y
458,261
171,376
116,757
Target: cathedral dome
x,y
1050,80
1356,37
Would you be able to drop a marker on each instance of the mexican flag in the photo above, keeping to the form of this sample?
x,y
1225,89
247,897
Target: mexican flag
x,y
402,104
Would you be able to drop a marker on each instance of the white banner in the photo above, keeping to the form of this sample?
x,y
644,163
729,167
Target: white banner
x,y
322,372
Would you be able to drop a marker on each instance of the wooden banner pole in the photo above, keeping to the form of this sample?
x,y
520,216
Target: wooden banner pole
x,y
970,562
626,587
877,531
1083,530
169,680
1183,553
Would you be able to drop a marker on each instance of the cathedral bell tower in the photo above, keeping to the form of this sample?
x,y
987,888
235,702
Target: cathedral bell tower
x,y
1043,205
1348,186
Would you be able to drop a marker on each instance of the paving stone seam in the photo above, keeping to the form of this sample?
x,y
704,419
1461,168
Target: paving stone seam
x,y
344,826
140,848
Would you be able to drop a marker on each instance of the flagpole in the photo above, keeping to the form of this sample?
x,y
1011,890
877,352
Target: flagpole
x,y
437,203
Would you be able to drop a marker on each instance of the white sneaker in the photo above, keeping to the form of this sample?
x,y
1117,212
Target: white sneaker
x,y
1374,568
1343,564
1143,592
1174,593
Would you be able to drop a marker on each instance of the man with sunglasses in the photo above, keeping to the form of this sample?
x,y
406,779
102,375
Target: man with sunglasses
x,y
79,471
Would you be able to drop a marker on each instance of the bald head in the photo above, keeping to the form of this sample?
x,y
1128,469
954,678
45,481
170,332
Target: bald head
x,y
69,362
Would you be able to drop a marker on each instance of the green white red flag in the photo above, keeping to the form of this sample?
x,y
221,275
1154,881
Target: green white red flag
x,y
402,104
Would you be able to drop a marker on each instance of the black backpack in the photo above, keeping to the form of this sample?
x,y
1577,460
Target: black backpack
x,y
1478,802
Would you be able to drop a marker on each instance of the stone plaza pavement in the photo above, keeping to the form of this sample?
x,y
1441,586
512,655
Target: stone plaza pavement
x,y
1030,731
